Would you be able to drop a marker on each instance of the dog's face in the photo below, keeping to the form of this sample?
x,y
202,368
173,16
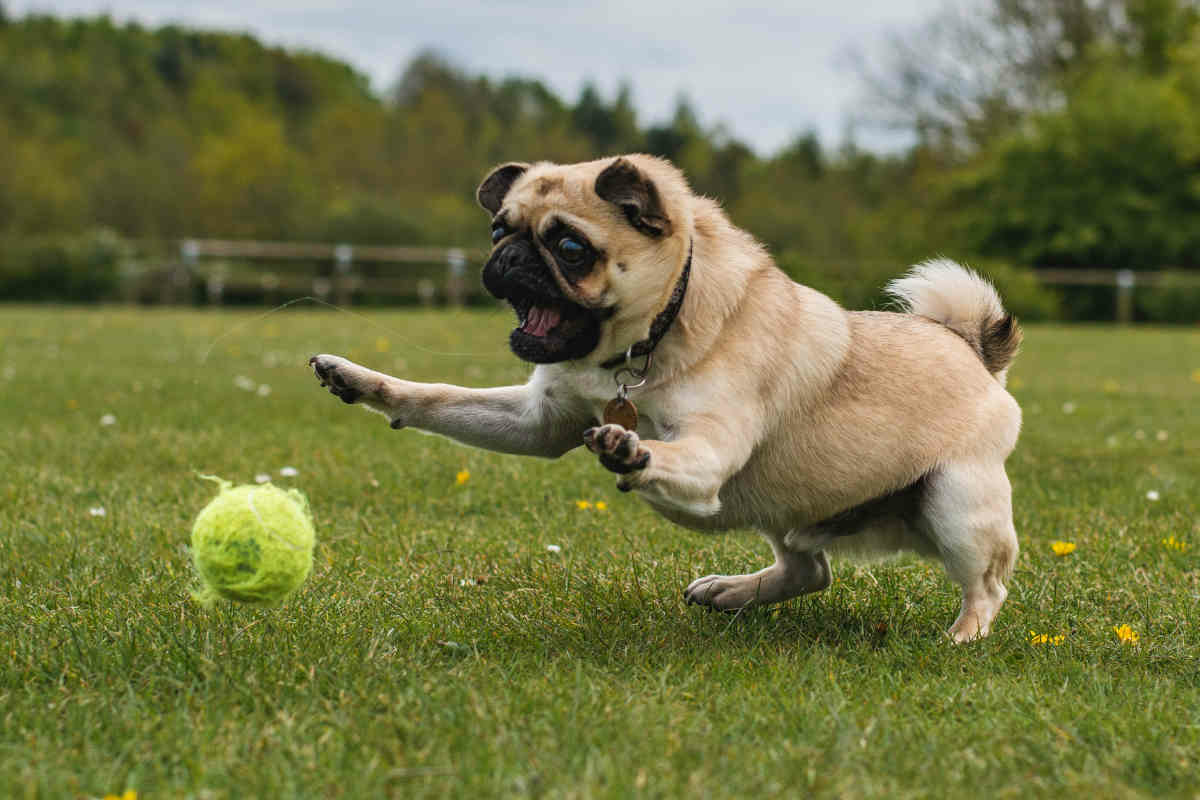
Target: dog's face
x,y
582,252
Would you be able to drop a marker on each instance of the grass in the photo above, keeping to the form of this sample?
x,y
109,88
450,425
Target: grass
x,y
440,649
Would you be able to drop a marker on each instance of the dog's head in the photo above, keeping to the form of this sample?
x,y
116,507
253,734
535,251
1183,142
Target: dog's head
x,y
586,254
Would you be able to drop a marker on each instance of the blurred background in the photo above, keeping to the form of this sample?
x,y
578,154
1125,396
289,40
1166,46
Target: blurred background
x,y
221,154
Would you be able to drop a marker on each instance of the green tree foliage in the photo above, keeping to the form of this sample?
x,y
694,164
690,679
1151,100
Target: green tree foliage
x,y
175,132
1108,176
1048,132
1112,179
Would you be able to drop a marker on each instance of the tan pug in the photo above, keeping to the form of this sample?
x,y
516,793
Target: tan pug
x,y
760,403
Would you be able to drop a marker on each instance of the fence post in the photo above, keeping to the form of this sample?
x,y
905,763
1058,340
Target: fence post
x,y
343,258
1125,284
179,276
456,269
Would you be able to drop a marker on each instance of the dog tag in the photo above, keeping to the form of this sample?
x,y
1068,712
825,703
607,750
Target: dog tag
x,y
621,411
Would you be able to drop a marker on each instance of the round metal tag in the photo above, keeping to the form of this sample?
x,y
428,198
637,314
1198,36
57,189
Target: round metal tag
x,y
621,411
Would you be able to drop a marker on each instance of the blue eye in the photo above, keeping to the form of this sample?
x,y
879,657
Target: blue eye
x,y
499,231
570,249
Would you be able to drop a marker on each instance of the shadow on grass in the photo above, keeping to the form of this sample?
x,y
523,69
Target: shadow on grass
x,y
621,635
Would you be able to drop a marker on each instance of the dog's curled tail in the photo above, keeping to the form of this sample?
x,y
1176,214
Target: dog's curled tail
x,y
949,293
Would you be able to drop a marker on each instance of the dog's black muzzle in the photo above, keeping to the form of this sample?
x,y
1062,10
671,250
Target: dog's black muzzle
x,y
551,328
516,271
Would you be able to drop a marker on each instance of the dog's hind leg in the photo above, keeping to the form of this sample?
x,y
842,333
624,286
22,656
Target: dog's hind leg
x,y
793,573
967,513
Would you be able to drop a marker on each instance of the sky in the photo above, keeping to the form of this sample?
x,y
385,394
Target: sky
x,y
766,71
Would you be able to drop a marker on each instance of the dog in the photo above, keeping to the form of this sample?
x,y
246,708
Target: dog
x,y
726,395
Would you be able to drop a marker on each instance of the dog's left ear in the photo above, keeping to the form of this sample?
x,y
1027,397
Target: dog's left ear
x,y
623,184
495,186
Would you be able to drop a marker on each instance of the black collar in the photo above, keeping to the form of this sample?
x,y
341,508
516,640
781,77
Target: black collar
x,y
661,323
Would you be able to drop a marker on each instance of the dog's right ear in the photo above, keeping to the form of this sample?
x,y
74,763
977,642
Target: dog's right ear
x,y
496,185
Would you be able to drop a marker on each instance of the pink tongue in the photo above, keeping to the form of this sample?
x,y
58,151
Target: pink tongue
x,y
541,320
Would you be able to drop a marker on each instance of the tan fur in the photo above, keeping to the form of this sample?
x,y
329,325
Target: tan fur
x,y
768,406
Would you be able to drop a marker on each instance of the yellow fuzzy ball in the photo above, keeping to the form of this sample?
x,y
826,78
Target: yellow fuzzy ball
x,y
252,544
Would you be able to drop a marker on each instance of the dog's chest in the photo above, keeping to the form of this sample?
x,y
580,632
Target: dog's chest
x,y
656,417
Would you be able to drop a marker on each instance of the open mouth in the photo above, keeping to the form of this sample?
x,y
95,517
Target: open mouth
x,y
552,329
539,321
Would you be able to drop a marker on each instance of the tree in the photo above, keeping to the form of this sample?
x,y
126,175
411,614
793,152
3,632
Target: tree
x,y
973,74
1088,187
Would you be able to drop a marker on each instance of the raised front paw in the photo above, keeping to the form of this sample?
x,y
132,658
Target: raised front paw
x,y
344,378
620,451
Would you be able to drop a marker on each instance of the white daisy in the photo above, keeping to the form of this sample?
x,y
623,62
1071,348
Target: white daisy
x,y
289,472
553,548
262,477
97,511
1152,494
108,419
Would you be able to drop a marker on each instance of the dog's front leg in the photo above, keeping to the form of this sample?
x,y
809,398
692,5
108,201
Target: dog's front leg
x,y
687,473
524,420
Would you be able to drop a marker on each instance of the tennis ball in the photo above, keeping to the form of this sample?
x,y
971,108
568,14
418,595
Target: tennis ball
x,y
252,544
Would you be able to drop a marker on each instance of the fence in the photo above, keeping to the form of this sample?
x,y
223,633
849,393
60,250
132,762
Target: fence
x,y
1124,280
343,282
340,284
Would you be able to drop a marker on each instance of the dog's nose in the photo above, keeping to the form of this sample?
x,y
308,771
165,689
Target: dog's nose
x,y
505,260
516,251
508,258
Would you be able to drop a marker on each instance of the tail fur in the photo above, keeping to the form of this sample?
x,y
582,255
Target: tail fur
x,y
949,293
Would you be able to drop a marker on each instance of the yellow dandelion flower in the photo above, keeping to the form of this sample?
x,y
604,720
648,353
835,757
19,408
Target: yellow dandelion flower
x,y
462,477
1045,638
582,505
1196,375
1062,548
1016,383
1171,543
1126,634
601,505
382,345
129,794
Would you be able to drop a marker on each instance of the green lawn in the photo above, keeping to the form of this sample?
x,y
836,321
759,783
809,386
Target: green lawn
x,y
441,649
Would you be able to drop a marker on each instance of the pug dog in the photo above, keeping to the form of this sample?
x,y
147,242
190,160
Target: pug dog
x,y
668,343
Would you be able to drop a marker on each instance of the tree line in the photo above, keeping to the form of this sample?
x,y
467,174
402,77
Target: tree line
x,y
1046,133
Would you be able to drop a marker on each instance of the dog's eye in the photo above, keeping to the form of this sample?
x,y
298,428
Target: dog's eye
x,y
571,250
499,231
